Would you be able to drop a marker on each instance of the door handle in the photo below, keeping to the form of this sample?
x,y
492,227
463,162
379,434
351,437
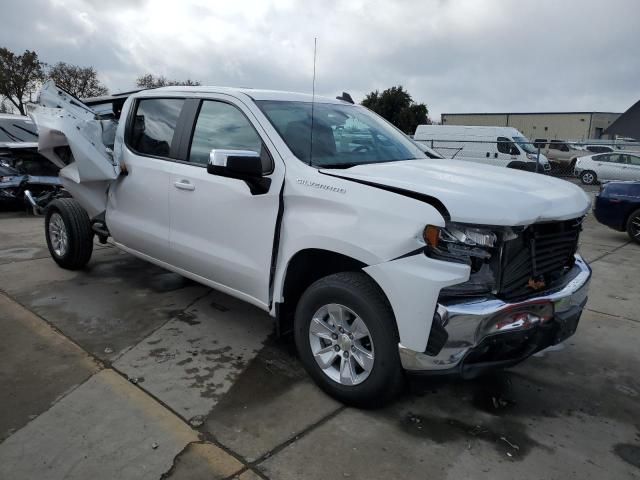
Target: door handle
x,y
184,185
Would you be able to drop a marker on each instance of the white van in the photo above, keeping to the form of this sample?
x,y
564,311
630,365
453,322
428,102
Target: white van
x,y
500,146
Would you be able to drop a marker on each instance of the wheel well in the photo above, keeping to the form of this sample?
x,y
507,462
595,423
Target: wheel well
x,y
304,268
631,211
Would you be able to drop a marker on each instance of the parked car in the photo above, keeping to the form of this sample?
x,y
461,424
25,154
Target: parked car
x,y
561,154
617,205
23,169
592,169
375,257
499,146
599,148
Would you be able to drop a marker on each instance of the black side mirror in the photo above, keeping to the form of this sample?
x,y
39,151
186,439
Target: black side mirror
x,y
235,163
240,164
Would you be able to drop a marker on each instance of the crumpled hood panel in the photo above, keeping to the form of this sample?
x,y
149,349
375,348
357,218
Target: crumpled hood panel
x,y
479,194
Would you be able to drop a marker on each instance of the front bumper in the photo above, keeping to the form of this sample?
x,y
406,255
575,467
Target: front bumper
x,y
479,338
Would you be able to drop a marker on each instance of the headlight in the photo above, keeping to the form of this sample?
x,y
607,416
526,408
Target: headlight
x,y
462,238
476,246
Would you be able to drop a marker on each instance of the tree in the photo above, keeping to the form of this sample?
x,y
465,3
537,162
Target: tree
x,y
20,75
4,107
79,81
151,81
396,105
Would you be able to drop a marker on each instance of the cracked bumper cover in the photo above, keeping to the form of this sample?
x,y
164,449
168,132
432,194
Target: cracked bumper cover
x,y
479,338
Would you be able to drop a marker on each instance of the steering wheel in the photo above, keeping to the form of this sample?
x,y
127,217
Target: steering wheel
x,y
361,148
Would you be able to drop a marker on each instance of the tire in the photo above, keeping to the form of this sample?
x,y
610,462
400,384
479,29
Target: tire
x,y
351,295
589,177
633,226
69,234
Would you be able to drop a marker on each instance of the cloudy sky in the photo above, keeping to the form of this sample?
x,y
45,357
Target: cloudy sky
x,y
453,55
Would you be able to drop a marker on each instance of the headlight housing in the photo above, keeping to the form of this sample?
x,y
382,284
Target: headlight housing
x,y
474,245
459,242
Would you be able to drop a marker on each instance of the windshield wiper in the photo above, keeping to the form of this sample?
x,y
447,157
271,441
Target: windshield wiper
x,y
341,165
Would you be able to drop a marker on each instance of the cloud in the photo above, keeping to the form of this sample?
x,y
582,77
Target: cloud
x,y
454,55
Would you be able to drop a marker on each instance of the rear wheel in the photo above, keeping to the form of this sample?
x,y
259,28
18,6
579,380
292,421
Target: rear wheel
x,y
69,234
346,337
633,226
589,177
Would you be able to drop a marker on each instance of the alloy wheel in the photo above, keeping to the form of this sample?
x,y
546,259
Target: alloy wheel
x,y
588,178
635,227
341,344
58,235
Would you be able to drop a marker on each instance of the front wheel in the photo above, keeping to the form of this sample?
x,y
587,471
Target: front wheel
x,y
69,233
633,226
588,177
347,339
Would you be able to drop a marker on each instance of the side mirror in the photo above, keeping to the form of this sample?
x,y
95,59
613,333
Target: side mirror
x,y
242,165
235,163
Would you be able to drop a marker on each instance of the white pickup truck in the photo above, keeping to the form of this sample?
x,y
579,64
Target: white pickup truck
x,y
378,259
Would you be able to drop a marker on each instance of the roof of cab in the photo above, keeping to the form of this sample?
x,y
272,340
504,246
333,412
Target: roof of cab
x,y
255,94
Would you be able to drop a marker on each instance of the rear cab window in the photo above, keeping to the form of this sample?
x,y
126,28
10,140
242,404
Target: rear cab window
x,y
152,127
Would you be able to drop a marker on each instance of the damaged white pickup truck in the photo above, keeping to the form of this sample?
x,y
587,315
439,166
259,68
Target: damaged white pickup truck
x,y
379,259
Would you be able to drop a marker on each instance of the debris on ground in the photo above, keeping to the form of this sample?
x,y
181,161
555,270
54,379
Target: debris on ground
x,y
515,447
196,421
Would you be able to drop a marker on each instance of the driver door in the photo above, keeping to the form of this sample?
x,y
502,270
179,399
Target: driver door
x,y
220,230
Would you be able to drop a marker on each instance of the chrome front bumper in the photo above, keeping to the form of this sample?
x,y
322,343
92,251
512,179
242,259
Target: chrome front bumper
x,y
470,325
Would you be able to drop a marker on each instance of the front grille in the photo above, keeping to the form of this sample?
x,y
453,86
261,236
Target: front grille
x,y
537,258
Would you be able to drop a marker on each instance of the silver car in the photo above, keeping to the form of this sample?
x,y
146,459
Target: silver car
x,y
592,169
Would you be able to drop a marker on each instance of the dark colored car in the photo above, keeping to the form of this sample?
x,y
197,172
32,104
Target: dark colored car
x,y
617,206
22,168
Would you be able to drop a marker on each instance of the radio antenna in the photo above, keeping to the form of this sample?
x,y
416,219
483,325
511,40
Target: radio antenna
x,y
313,99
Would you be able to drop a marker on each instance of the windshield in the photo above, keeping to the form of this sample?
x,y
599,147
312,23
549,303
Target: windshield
x,y
525,144
343,135
17,130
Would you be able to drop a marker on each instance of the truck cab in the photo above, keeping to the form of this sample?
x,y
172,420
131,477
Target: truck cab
x,y
378,260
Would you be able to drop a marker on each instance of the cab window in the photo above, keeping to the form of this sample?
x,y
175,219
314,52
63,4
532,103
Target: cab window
x,y
505,145
221,126
154,125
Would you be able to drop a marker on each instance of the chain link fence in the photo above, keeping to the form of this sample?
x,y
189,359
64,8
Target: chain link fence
x,y
591,161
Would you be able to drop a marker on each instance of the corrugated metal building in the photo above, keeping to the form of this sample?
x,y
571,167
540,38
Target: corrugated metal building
x,y
547,125
628,125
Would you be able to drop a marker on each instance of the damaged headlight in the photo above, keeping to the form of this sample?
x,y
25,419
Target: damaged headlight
x,y
459,242
473,245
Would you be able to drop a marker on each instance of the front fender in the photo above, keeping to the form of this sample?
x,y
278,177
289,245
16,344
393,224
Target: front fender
x,y
412,285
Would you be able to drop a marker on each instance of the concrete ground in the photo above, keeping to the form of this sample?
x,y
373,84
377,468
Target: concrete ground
x,y
124,370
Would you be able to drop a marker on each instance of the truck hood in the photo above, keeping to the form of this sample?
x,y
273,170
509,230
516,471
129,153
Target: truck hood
x,y
479,194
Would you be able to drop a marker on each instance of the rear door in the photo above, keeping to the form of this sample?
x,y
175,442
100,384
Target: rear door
x,y
138,204
631,168
221,231
610,166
